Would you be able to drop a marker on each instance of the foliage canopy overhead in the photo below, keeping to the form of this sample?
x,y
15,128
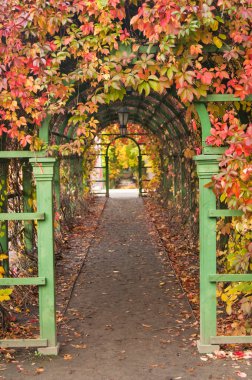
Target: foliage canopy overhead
x,y
50,49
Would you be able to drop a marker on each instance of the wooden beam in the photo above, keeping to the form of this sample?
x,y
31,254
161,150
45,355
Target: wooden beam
x,y
10,281
239,277
8,154
22,216
5,343
230,339
214,150
224,213
223,98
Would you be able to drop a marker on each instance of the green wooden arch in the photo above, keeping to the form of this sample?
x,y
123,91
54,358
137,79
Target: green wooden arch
x,y
139,162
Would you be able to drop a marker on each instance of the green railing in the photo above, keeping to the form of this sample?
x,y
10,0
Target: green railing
x,y
43,170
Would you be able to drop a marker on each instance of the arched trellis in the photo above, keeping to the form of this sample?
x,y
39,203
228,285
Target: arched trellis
x,y
43,169
159,112
139,162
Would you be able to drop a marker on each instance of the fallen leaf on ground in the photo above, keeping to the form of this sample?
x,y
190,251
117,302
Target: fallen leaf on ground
x,y
241,374
39,370
67,357
79,345
203,358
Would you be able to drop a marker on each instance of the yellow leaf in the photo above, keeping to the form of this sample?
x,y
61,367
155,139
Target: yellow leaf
x,y
215,25
229,309
5,294
3,256
30,202
224,297
217,42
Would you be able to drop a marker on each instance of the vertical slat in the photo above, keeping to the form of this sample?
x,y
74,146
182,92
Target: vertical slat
x,y
107,175
183,180
27,195
3,208
140,175
44,129
57,184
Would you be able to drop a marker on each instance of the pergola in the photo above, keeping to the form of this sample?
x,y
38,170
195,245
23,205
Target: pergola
x,y
160,115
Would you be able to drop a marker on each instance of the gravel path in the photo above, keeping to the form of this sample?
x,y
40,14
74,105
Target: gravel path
x,y
128,318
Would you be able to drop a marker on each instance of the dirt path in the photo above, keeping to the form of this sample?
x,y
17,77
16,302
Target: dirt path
x,y
128,318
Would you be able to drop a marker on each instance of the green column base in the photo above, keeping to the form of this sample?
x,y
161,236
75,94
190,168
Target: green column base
x,y
53,351
207,348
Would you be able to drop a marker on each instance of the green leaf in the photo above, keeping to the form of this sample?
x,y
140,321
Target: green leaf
x,y
154,85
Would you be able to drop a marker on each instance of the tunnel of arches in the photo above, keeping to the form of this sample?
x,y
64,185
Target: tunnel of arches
x,y
163,120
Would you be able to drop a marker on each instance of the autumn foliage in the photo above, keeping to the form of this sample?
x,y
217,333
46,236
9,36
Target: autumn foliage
x,y
50,48
59,57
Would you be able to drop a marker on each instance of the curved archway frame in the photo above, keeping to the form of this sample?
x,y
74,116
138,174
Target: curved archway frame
x,y
43,168
139,162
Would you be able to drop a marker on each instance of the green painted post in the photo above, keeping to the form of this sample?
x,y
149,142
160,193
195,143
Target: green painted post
x,y
205,122
140,175
4,247
107,175
44,129
43,169
207,166
27,197
57,185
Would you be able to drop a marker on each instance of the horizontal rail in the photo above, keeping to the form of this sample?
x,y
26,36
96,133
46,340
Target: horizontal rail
x,y
5,343
22,216
224,213
214,150
222,98
8,154
230,339
12,281
100,167
242,277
